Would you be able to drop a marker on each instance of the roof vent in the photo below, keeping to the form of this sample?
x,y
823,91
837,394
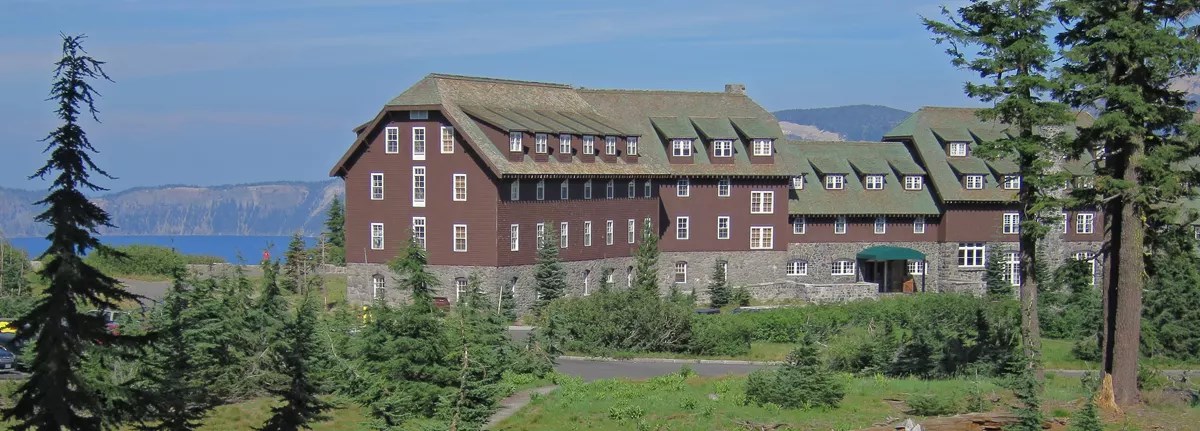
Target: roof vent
x,y
735,88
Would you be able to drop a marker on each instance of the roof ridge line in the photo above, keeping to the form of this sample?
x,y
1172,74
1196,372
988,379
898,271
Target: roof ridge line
x,y
631,90
499,80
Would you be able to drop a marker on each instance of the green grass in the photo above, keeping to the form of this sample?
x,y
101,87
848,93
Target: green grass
x,y
763,351
246,415
1056,355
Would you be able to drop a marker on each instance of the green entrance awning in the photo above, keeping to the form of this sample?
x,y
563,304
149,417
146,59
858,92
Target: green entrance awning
x,y
887,252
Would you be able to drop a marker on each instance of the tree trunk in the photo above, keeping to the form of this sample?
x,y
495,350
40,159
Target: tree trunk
x,y
1123,286
1031,334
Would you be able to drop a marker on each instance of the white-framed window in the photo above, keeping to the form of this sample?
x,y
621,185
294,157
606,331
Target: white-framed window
x,y
1196,232
798,182
460,187
874,182
564,143
418,141
376,186
799,225
916,267
1011,224
1012,268
1085,223
835,182
514,190
1066,222
514,141
958,149
418,184
842,267
631,145
919,225
723,148
914,182
681,147
587,273
723,187
514,237
564,189
541,143
880,225
587,233
460,287
460,237
762,202
418,231
632,231
762,237
608,232
587,189
539,235
589,144
722,227
649,189
378,286
683,187
974,182
610,189
1091,260
391,139
971,254
839,225
1012,182
376,236
418,115
447,140
563,238
797,267
610,145
541,190
608,275
681,227
761,147
631,190
681,272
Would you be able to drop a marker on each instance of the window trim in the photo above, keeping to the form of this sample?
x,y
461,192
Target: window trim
x,y
1010,223
391,140
799,225
728,227
541,190
766,237
608,232
420,177
464,238
419,230
952,146
514,190
972,255
798,182
683,187
460,287
1090,225
541,143
378,287
610,190
631,145
796,268
843,267
649,189
683,228
843,223
917,267
564,143
587,233
919,225
681,147
835,182
564,237
454,191
514,237
873,182
967,181
375,175
880,225
452,141
514,142
632,234
382,239
1011,180
419,155
564,189
914,182
631,190
724,187
762,144
539,235
681,269
722,148
418,115
587,189
765,204
589,145
610,145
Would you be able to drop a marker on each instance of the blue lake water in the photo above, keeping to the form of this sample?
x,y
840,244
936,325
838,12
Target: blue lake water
x,y
231,248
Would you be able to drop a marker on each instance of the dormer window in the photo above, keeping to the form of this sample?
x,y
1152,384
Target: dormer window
x,y
540,143
589,145
610,145
418,115
681,147
1085,182
514,141
798,182
835,182
631,145
564,144
914,182
874,182
1012,182
958,149
973,182
723,148
761,147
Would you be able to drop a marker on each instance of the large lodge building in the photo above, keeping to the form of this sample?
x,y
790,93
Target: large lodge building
x,y
479,169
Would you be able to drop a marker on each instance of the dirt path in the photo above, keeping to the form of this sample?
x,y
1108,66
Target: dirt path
x,y
515,402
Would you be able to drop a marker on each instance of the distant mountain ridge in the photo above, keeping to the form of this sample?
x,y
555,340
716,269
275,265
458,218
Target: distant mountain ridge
x,y
277,208
851,123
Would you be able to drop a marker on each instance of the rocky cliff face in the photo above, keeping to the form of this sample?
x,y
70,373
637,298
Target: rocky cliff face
x,y
251,209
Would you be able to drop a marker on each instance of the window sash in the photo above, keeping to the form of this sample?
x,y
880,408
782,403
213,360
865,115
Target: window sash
x,y
842,267
377,187
418,143
683,187
514,190
799,225
916,267
610,145
632,234
974,182
539,235
391,139
608,232
1012,182
958,149
762,237
564,144
541,190
681,147
835,182
723,227
514,237
418,115
632,189
460,187
874,182
564,189
563,237
589,145
541,143
681,272
798,182
418,186
839,225
587,189
919,225
762,147
1012,268
418,231
1011,224
681,228
797,268
460,237
914,182
609,190
649,189
1084,223
631,145
722,148
723,187
762,202
880,225
971,255
587,234
377,236
447,140
514,141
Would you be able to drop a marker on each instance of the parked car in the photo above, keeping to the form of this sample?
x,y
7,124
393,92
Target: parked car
x,y
8,360
708,311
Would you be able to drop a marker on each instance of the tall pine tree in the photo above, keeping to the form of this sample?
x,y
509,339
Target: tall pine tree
x,y
335,232
173,393
718,287
483,351
1012,55
410,266
297,266
55,397
646,262
301,405
1120,57
549,274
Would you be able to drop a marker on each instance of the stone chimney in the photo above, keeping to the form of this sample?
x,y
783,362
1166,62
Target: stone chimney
x,y
735,88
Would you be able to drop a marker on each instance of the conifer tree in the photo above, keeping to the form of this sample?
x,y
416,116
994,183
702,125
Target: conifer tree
x,y
297,266
1120,58
508,304
549,274
406,363
301,405
1087,418
173,393
718,286
1027,389
335,232
410,266
993,277
646,262
1013,57
483,352
55,397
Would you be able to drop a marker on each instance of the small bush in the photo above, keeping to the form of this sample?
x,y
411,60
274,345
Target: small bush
x,y
802,382
933,404
715,336
739,296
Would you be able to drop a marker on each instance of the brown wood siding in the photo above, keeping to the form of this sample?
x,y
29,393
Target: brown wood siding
x,y
976,223
1097,227
396,210
703,206
819,229
527,214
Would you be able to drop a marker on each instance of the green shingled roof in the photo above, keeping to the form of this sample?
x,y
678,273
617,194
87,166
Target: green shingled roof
x,y
854,199
953,134
714,128
674,127
1003,166
756,128
906,167
968,165
830,165
869,164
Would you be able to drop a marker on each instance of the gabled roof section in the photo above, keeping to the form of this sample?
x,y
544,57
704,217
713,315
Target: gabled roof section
x,y
906,167
755,128
968,165
953,134
867,165
714,128
854,199
1003,167
674,128
830,165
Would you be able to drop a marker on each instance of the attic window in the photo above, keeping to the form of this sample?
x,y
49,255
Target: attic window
x,y
835,182
681,147
974,182
589,144
1012,182
540,141
564,143
958,149
874,182
631,145
798,182
762,147
610,145
418,115
914,182
514,141
723,148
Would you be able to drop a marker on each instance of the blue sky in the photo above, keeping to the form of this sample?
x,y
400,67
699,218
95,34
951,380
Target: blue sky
x,y
232,91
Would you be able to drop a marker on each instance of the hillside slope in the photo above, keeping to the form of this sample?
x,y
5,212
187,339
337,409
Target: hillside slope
x,y
852,123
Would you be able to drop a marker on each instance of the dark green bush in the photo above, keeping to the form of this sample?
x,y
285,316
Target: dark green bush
x,y
632,320
802,382
934,404
712,335
739,296
1068,303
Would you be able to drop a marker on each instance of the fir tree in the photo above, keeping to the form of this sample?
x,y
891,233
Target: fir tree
x,y
1014,57
483,352
1028,392
1120,57
173,394
335,232
993,277
55,397
549,274
646,262
1172,313
14,268
718,287
301,406
406,365
297,266
508,304
410,265
1087,418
